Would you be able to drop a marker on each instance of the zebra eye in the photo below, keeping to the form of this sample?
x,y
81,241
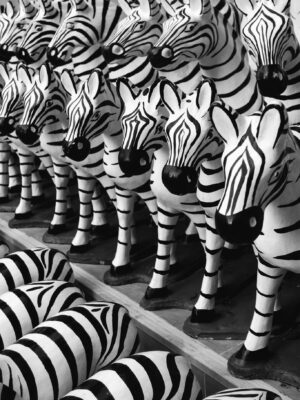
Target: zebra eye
x,y
139,26
39,28
49,103
190,26
70,25
275,176
96,115
210,133
20,26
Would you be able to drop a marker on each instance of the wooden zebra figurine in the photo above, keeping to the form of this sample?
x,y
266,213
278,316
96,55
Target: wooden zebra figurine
x,y
200,32
61,353
33,265
144,376
22,309
244,394
268,32
11,109
259,205
14,33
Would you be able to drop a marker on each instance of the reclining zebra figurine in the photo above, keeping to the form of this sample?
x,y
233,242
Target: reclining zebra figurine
x,y
259,204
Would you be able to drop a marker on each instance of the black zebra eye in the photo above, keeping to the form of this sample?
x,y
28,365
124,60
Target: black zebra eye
x,y
49,103
190,27
20,26
275,176
39,28
70,25
140,26
96,115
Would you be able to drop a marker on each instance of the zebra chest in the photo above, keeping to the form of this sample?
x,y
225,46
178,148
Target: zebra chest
x,y
52,144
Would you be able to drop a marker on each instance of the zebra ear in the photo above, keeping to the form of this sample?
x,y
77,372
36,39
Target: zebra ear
x,y
45,75
245,6
94,83
125,91
127,6
10,11
205,96
4,72
224,121
200,7
68,82
148,7
170,96
23,75
272,124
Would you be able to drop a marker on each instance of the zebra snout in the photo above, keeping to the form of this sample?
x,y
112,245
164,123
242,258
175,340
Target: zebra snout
x,y
5,53
28,134
160,56
112,52
77,150
24,56
53,58
272,80
180,181
242,227
7,126
134,162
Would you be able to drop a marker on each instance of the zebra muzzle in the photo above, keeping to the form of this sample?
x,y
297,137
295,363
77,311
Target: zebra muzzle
x,y
28,134
24,56
134,162
77,150
180,180
52,56
160,56
7,126
5,54
272,80
242,227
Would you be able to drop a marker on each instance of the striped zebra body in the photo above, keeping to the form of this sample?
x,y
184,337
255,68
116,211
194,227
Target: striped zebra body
x,y
33,265
64,351
22,309
11,110
268,32
143,376
244,394
200,32
14,33
259,204
45,117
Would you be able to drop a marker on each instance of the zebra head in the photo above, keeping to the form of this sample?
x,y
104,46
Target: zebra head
x,y
40,31
137,33
43,105
93,107
190,34
256,158
6,18
268,33
16,29
189,135
142,124
12,105
85,26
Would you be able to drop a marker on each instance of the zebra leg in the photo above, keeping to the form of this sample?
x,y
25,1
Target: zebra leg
x,y
125,207
4,177
203,310
86,186
99,223
26,167
36,185
14,172
46,161
61,179
167,220
151,203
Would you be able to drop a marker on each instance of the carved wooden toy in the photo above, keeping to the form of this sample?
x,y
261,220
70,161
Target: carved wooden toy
x,y
200,33
22,309
259,205
269,36
244,394
33,265
64,351
145,376
11,110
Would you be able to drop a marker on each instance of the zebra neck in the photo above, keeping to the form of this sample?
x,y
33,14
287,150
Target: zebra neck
x,y
186,75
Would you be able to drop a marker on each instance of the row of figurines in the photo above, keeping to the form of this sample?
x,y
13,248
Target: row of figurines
x,y
56,345
257,196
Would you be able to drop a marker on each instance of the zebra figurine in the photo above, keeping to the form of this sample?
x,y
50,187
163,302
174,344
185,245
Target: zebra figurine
x,y
269,36
144,376
200,32
22,309
33,265
62,352
244,394
259,205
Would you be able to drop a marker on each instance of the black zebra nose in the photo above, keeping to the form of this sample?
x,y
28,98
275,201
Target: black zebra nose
x,y
24,56
242,227
272,80
160,56
5,53
7,126
28,134
112,52
180,181
134,162
53,58
77,150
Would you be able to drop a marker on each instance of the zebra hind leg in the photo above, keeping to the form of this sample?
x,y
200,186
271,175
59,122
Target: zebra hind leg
x,y
4,177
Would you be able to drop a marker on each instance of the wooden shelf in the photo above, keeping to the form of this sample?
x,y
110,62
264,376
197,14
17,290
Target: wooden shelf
x,y
208,358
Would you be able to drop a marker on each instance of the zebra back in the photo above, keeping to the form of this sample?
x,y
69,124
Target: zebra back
x,y
24,308
33,265
244,394
62,352
148,376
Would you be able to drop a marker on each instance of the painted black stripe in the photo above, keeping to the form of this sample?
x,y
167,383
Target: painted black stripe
x,y
188,386
7,276
290,228
22,266
97,388
174,375
13,319
295,255
30,307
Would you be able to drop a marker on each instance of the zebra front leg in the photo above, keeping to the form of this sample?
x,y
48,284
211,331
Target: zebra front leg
x,y
23,210
167,220
4,176
36,185
46,161
203,310
61,179
14,183
255,347
100,226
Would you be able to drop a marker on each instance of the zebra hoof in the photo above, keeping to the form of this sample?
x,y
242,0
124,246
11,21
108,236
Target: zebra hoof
x,y
82,248
15,189
156,293
187,239
4,200
119,271
101,231
23,215
37,199
199,316
247,364
235,253
56,229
